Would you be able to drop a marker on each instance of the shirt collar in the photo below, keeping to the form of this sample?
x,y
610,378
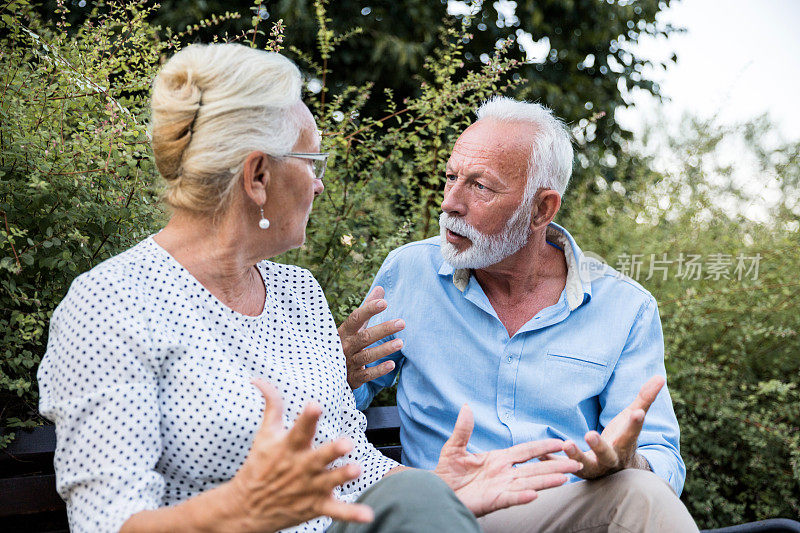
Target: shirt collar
x,y
577,289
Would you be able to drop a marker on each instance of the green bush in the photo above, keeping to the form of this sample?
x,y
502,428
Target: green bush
x,y
79,185
732,338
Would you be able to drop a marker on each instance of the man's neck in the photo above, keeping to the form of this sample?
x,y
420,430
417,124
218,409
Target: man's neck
x,y
524,271
524,283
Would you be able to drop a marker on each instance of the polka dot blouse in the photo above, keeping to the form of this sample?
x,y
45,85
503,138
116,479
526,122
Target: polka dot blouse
x,y
147,377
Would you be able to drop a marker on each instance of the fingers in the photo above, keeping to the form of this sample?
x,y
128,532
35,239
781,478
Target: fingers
x,y
575,453
606,455
526,451
543,482
556,466
630,434
370,355
347,512
359,317
462,430
510,499
329,452
374,372
648,392
375,294
305,426
273,408
339,476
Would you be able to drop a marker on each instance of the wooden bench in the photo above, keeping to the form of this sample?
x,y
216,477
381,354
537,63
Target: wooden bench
x,y
29,501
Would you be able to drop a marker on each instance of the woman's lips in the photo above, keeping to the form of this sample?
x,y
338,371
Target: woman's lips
x,y
455,238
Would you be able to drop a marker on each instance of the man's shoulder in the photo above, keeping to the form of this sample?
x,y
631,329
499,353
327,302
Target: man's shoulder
x,y
612,283
425,251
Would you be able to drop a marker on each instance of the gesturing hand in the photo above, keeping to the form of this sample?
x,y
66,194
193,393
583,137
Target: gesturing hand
x,y
355,338
284,482
488,481
615,448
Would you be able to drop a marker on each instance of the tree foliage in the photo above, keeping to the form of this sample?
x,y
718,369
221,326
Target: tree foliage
x,y
585,63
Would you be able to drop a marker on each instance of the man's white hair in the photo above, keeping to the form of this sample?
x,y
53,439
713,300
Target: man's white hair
x,y
550,165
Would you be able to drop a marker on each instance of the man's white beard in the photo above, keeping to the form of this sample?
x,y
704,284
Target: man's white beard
x,y
486,250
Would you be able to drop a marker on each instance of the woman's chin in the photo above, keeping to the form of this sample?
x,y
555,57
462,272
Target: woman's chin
x,y
299,242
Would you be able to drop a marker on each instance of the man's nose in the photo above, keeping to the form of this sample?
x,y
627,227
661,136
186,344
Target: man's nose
x,y
453,202
318,187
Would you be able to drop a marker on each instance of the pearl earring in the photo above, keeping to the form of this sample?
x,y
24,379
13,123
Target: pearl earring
x,y
264,222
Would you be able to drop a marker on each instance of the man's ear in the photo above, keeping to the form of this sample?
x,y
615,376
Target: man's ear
x,y
546,204
256,176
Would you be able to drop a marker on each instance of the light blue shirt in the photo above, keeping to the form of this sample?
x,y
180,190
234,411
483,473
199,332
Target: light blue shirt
x,y
570,369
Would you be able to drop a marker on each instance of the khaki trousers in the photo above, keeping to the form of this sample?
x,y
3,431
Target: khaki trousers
x,y
626,502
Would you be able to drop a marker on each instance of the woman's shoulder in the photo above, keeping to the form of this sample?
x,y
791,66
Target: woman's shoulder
x,y
120,276
292,277
288,273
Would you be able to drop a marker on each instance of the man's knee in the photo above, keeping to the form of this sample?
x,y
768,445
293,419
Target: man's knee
x,y
644,498
641,484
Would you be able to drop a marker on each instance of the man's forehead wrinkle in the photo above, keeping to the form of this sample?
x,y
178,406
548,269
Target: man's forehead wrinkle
x,y
488,148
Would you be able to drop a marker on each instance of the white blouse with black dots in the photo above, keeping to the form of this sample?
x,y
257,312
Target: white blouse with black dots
x,y
148,379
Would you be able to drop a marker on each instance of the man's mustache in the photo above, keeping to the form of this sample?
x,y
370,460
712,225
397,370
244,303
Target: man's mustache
x,y
459,226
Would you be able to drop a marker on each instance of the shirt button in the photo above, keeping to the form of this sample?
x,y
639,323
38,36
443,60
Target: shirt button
x,y
510,358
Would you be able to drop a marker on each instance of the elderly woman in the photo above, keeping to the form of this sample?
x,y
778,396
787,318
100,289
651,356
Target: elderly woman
x,y
156,357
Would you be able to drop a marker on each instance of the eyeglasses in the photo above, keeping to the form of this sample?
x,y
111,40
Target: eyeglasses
x,y
318,160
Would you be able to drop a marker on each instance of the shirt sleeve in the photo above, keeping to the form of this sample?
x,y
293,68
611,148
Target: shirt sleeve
x,y
99,385
366,392
641,359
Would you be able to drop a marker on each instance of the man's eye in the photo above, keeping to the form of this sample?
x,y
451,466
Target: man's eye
x,y
450,177
480,186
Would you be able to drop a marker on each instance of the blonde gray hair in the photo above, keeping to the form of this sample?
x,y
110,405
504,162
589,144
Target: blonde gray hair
x,y
213,105
550,164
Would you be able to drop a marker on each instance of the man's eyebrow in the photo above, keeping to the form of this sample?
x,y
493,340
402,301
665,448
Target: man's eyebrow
x,y
483,173
475,174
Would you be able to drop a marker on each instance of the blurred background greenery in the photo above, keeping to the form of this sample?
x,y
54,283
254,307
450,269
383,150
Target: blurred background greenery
x,y
392,84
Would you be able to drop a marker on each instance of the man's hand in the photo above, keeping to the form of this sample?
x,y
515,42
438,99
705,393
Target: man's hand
x,y
615,448
486,482
355,338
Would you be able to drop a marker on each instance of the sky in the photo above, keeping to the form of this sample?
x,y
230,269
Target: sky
x,y
738,59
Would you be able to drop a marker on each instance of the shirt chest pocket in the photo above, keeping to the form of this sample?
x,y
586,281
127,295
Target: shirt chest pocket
x,y
578,376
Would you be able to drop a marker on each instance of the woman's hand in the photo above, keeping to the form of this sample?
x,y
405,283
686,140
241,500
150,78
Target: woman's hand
x,y
486,482
355,337
284,482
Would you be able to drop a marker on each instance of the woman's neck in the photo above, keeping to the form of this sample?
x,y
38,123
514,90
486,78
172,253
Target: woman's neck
x,y
215,254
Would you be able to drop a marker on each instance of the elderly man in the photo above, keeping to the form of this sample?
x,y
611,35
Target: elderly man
x,y
505,313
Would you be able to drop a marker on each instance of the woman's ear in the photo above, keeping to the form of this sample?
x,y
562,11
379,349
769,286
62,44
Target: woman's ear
x,y
256,176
